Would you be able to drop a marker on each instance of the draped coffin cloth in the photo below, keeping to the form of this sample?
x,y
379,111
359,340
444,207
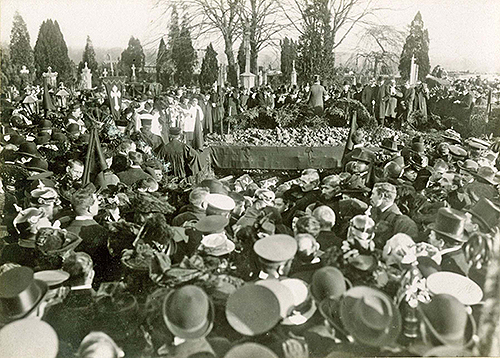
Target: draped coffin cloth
x,y
279,158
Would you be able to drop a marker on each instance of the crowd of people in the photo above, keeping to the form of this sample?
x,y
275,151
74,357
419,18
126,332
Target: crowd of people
x,y
118,241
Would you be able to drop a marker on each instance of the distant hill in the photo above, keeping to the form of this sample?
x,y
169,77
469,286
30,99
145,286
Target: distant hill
x,y
101,53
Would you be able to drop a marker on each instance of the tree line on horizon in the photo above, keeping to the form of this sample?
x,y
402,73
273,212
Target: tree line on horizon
x,y
247,20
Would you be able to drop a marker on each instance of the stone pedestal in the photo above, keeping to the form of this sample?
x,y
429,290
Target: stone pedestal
x,y
248,80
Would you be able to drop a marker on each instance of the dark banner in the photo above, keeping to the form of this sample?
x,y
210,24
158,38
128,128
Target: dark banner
x,y
278,158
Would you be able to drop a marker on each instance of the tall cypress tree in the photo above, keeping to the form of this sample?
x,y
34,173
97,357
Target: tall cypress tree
x,y
183,56
89,57
51,50
21,53
417,44
288,54
209,67
164,65
7,72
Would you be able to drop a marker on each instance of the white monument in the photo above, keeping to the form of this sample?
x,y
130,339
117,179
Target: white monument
x,y
105,73
51,77
133,72
62,96
86,77
247,77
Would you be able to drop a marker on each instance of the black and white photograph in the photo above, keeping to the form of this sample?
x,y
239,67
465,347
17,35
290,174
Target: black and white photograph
x,y
249,178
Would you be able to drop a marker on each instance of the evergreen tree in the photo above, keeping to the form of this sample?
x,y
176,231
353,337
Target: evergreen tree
x,y
288,55
20,51
51,50
7,71
241,59
164,65
132,55
417,44
209,67
89,57
183,56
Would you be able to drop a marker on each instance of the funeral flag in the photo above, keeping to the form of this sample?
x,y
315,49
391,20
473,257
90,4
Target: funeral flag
x,y
115,91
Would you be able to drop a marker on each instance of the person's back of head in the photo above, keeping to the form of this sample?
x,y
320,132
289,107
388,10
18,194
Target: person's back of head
x,y
135,158
82,200
197,197
307,224
80,267
307,246
147,184
325,216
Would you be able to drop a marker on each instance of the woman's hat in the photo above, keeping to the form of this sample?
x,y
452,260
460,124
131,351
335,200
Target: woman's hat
x,y
188,312
27,338
52,241
477,143
253,310
450,223
217,244
20,293
448,320
370,316
28,149
452,136
458,151
486,213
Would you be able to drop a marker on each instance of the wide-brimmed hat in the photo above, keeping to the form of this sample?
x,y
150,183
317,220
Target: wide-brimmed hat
x,y
486,174
52,241
452,136
390,144
468,165
250,350
212,224
450,223
276,248
188,312
370,316
253,310
458,151
28,337
448,320
28,149
20,293
42,139
53,278
477,143
486,213
418,161
217,244
328,282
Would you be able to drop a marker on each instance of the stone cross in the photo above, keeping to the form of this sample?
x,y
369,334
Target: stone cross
x,y
133,70
293,74
105,73
24,70
115,95
51,77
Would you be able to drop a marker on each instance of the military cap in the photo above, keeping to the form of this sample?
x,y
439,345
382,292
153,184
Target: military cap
x,y
276,248
43,341
220,202
212,224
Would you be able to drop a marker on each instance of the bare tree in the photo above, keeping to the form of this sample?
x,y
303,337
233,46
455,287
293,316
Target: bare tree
x,y
263,20
378,49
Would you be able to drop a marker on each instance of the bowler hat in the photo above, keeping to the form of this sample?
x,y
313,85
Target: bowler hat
x,y
59,137
29,337
450,223
282,293
250,350
174,131
328,282
212,224
370,316
45,124
42,138
73,128
390,144
253,310
20,293
468,165
448,320
486,213
188,312
37,164
28,149
418,161
16,139
276,248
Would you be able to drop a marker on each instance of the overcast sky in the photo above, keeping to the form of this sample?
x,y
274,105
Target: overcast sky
x,y
464,34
